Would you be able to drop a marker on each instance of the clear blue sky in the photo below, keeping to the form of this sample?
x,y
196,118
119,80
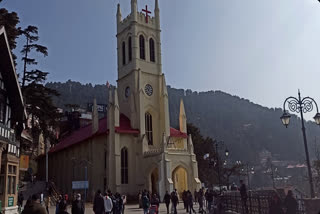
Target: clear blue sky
x,y
260,50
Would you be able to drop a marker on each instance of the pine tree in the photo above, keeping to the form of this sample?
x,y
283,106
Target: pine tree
x,y
38,98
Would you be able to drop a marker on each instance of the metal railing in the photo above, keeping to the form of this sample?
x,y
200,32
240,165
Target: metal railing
x,y
256,204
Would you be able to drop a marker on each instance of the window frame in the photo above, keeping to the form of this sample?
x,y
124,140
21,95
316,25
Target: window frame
x,y
123,53
148,128
152,50
142,47
130,48
124,166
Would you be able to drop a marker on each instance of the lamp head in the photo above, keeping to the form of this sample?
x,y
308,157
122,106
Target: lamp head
x,y
285,118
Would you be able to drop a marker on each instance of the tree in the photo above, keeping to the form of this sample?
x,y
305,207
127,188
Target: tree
x,y
38,98
31,34
10,21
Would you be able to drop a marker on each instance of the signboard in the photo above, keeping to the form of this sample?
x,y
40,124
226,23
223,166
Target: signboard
x,y
10,201
100,107
24,162
80,185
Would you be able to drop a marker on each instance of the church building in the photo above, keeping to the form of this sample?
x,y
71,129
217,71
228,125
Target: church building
x,y
134,147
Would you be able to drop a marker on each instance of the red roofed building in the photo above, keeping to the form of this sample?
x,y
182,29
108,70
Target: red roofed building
x,y
134,147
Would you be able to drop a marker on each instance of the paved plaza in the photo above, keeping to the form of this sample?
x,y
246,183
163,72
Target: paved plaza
x,y
132,209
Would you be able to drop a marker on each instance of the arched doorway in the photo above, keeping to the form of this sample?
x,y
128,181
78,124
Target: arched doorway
x,y
155,181
180,179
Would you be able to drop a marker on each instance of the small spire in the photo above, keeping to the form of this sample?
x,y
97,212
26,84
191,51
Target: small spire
x,y
119,16
95,117
133,6
156,5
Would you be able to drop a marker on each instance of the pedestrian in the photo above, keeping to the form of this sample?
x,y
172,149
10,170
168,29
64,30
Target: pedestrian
x,y
108,205
210,199
184,199
47,202
145,203
62,204
174,201
200,200
275,206
190,202
195,196
244,196
118,204
57,204
34,206
63,209
98,203
124,202
77,205
290,203
140,198
206,198
166,200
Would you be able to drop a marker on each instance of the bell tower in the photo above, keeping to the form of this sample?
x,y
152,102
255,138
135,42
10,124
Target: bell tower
x,y
142,89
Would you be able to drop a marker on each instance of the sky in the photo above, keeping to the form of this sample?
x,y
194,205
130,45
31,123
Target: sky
x,y
263,51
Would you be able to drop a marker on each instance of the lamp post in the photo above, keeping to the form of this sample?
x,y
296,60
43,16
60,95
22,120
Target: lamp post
x,y
216,161
301,106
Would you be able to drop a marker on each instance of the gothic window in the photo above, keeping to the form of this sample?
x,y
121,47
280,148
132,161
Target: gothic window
x,y
3,107
151,46
123,53
130,48
124,166
148,121
142,47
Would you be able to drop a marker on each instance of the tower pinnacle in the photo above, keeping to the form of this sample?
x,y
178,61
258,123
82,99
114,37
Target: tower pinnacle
x,y
119,16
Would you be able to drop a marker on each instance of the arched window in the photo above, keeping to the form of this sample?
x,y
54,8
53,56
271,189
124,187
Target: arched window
x,y
130,48
124,166
123,53
151,46
148,121
142,47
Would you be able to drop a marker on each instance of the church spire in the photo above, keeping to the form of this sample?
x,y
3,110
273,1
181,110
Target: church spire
x,y
119,16
182,118
134,9
157,13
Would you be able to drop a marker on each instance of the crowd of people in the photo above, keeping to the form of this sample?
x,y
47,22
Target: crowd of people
x,y
109,203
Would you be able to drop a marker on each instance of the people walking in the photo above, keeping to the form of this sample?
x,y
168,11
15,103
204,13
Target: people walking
x,y
175,201
78,205
124,202
190,202
34,206
210,199
145,203
166,200
275,206
108,205
98,203
184,199
47,202
200,200
290,203
58,203
244,196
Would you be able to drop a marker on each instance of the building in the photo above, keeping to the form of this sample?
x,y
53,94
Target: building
x,y
11,116
134,147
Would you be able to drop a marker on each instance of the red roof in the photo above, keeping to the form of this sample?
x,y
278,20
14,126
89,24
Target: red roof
x,y
177,133
85,133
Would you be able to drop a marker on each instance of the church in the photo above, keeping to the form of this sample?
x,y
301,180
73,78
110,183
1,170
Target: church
x,y
134,147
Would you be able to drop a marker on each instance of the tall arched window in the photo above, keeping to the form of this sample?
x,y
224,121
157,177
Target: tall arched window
x,y
142,47
130,48
124,166
123,53
148,121
152,54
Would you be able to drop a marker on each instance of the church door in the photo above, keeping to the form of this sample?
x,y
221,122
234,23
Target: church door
x,y
154,181
180,181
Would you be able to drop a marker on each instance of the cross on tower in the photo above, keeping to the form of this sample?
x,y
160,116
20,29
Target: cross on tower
x,y
147,12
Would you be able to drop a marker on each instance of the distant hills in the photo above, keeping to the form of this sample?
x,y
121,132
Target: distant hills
x,y
246,128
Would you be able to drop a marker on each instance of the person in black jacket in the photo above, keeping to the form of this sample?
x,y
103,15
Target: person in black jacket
x,y
290,203
77,205
98,203
244,196
166,200
175,201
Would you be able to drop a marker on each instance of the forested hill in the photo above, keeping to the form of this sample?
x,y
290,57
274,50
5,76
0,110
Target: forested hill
x,y
246,128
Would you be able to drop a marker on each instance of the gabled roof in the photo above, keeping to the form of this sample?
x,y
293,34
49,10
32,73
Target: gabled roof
x,y
10,77
85,133
177,133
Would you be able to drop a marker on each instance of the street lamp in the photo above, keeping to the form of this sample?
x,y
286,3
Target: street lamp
x,y
302,106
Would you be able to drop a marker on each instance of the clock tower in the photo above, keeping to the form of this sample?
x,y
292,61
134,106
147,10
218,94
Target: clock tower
x,y
142,90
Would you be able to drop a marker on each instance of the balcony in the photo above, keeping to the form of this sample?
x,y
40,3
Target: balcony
x,y
7,135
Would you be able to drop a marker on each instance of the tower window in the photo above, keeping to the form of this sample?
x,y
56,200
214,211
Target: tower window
x,y
124,166
151,46
148,121
142,47
130,48
123,53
